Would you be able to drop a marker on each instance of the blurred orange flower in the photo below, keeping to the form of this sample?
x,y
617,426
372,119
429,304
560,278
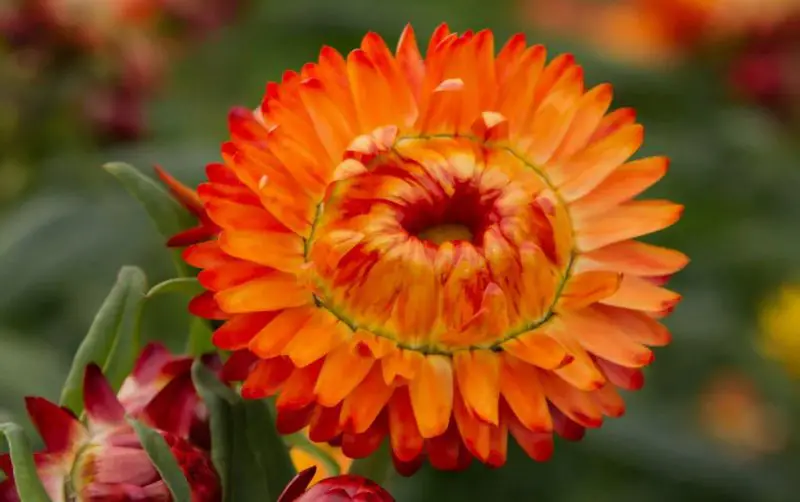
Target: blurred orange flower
x,y
655,31
446,267
734,412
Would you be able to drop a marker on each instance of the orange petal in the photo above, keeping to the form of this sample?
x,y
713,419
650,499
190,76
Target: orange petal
x,y
364,444
622,377
447,452
343,370
639,326
361,408
609,401
279,250
626,221
271,340
298,389
400,363
519,383
475,434
575,404
205,305
581,372
227,214
231,275
587,288
432,395
553,118
613,122
587,169
536,347
275,291
266,377
537,445
622,185
639,294
205,255
410,60
324,424
403,103
405,438
633,257
599,335
478,375
185,195
240,329
590,111
320,335
369,87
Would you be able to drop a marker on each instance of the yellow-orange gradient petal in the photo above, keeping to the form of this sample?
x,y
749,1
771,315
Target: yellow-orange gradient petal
x,y
437,249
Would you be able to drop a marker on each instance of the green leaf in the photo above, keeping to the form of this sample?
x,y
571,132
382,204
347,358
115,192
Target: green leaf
x,y
249,455
377,467
113,339
199,342
167,214
165,462
182,285
29,486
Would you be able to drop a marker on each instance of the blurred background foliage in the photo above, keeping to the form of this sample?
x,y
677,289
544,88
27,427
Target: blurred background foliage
x,y
718,94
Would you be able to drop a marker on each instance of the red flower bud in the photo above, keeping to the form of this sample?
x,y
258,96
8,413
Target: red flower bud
x,y
339,489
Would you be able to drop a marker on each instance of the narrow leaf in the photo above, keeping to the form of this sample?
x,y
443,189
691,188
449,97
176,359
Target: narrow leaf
x,y
29,486
166,213
165,462
182,285
251,459
113,339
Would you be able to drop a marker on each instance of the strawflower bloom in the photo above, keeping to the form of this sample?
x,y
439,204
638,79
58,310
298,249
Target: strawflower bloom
x,y
339,488
103,460
438,250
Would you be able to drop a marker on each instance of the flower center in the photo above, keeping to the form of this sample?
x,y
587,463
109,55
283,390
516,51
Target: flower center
x,y
443,244
446,232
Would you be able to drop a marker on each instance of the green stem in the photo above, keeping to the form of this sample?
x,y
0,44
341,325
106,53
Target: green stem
x,y
377,467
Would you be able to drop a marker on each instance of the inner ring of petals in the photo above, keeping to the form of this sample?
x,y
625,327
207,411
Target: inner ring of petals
x,y
441,244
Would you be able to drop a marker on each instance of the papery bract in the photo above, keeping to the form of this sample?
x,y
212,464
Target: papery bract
x,y
436,250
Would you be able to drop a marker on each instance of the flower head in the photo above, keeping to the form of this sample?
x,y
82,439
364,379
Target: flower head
x,y
104,460
439,250
340,488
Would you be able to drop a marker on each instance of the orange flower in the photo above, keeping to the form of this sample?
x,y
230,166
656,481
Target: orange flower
x,y
655,31
438,250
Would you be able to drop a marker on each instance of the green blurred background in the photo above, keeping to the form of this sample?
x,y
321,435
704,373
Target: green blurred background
x,y
716,419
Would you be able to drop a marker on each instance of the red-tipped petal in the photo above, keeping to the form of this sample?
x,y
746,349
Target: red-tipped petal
x,y
102,405
59,430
